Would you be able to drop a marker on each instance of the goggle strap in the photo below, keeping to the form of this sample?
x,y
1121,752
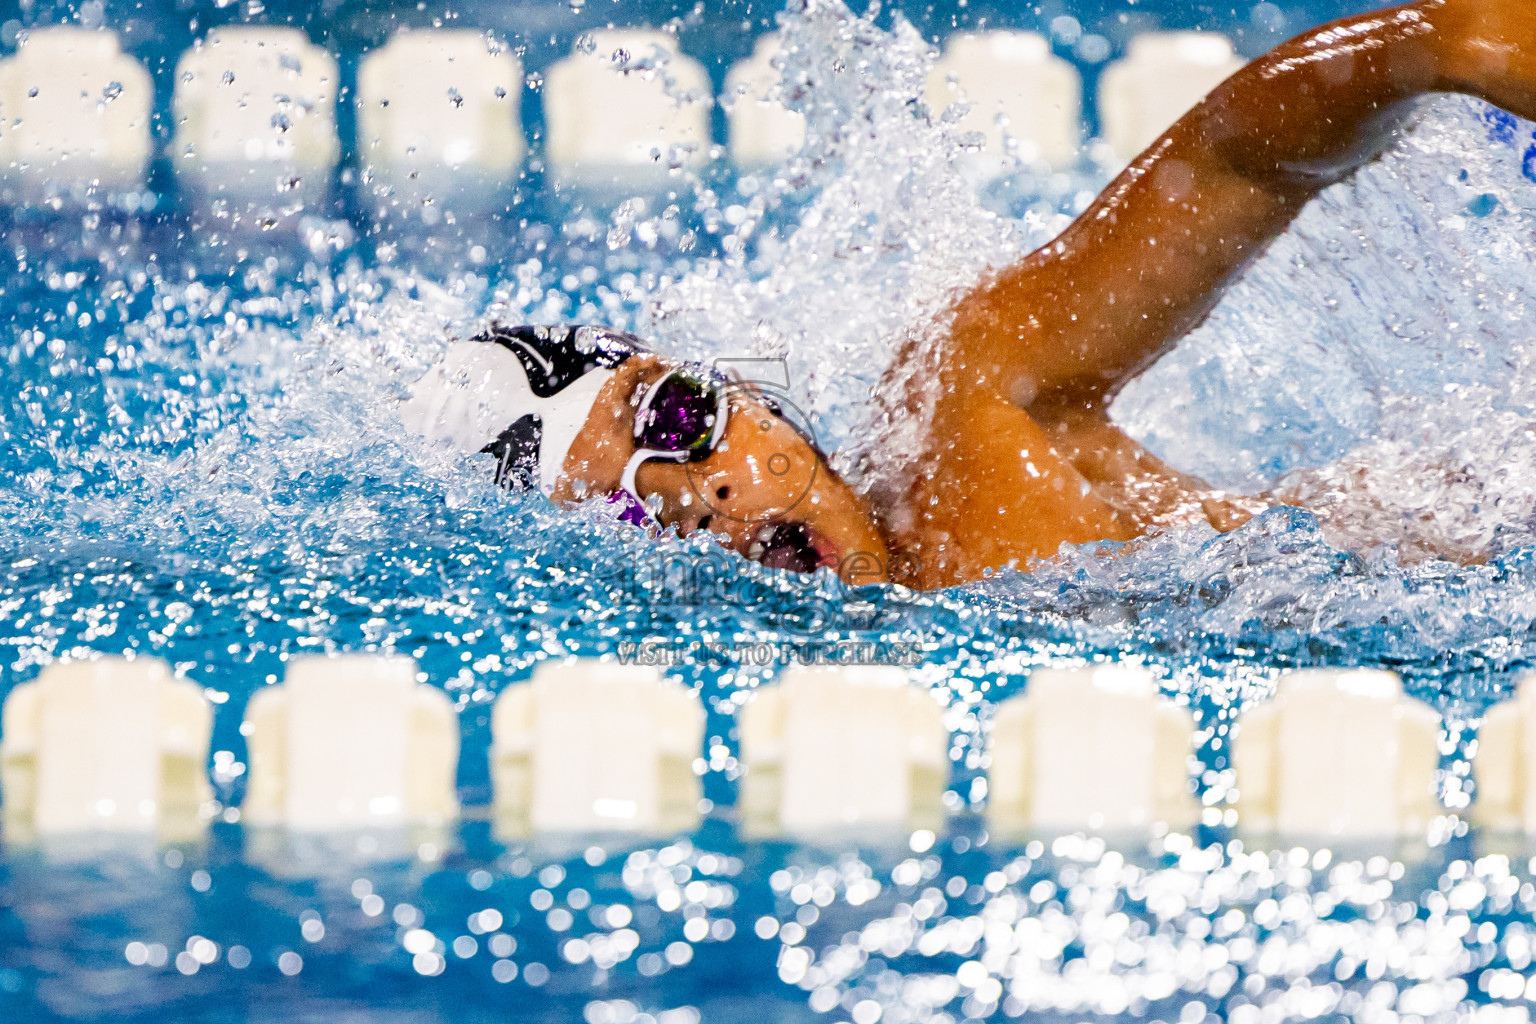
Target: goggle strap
x,y
632,469
643,413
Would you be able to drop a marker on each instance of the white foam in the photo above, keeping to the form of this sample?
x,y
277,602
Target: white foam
x,y
626,106
1506,764
596,746
108,745
762,130
76,113
1162,76
351,741
1024,102
1094,749
438,118
1337,754
888,233
1354,358
830,748
256,115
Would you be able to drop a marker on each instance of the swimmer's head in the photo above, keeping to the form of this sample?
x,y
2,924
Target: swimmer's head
x,y
587,412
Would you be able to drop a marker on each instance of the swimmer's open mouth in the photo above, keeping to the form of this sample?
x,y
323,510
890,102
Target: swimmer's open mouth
x,y
790,545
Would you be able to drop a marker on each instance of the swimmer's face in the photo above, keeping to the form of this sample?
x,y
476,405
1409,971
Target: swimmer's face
x,y
764,489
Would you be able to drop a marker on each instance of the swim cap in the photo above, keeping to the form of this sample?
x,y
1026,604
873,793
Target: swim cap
x,y
521,394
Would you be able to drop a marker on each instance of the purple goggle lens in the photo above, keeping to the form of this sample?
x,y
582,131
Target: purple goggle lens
x,y
681,419
680,413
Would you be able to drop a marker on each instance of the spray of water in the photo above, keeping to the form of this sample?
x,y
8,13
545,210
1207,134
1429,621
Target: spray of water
x,y
223,442
1375,363
887,235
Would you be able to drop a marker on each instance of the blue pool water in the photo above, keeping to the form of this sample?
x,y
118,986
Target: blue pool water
x,y
203,464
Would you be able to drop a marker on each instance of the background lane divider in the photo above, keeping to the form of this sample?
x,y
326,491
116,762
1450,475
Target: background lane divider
x,y
623,108
761,130
1024,101
76,118
256,119
1162,76
439,122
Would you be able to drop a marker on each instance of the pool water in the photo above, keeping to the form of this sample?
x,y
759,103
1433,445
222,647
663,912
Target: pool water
x,y
203,464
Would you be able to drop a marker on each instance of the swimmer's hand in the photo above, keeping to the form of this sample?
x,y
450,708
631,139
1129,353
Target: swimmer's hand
x,y
1226,512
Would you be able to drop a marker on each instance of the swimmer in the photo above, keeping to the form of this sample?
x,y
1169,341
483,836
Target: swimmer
x,y
1021,456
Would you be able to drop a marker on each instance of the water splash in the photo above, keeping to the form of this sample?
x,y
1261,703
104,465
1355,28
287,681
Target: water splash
x,y
1377,360
206,463
886,236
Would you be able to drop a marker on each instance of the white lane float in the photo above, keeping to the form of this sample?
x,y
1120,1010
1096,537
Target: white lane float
x,y
74,119
350,742
1505,767
596,746
835,749
439,122
762,130
625,108
1021,99
105,745
1337,755
1162,76
1094,749
255,111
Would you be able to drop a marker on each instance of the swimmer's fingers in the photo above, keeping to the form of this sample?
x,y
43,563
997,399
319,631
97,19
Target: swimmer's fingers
x,y
1227,512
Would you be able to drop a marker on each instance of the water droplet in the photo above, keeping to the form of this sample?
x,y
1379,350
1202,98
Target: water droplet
x,y
1483,205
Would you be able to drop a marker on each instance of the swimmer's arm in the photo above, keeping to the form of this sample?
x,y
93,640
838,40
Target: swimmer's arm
x,y
1149,259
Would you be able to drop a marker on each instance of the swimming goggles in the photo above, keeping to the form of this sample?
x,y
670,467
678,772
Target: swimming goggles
x,y
681,418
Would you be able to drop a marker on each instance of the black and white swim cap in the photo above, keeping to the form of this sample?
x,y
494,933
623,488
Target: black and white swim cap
x,y
520,393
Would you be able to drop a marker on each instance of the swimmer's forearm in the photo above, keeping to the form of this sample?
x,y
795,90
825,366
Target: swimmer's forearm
x,y
1152,255
1488,48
